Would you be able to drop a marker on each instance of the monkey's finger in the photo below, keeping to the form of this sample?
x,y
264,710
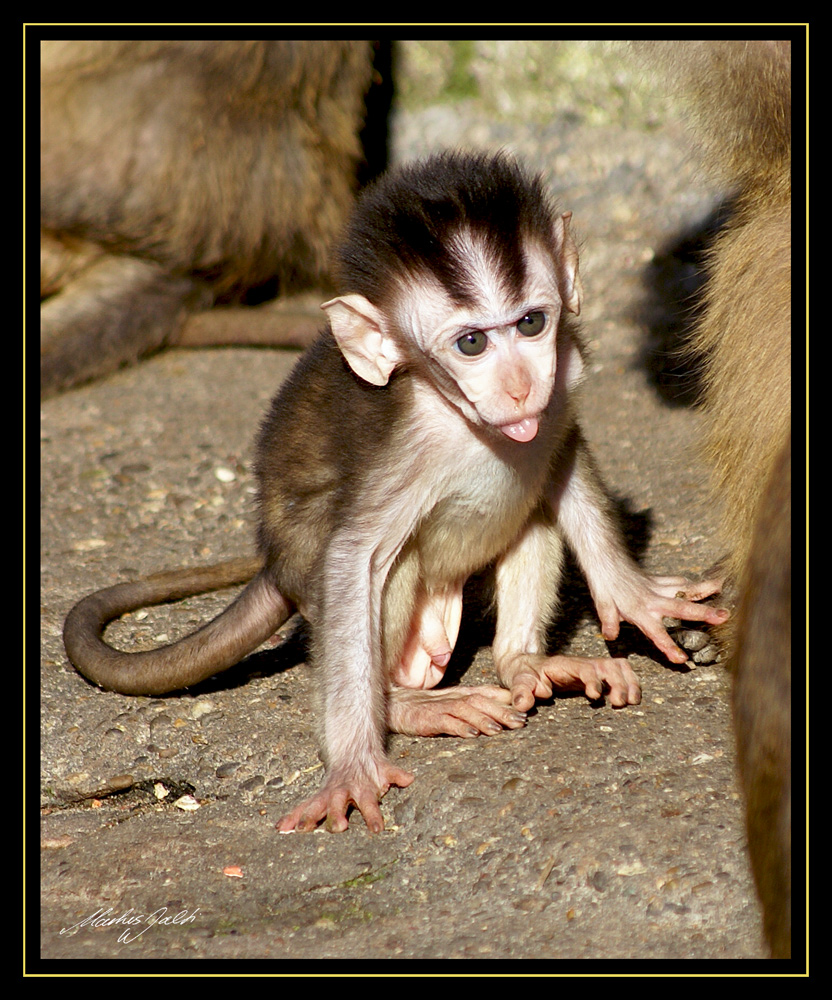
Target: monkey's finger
x,y
669,586
462,712
651,623
610,619
334,799
305,817
367,805
336,814
527,687
614,675
467,723
693,612
624,687
658,635
363,797
479,709
593,676
491,691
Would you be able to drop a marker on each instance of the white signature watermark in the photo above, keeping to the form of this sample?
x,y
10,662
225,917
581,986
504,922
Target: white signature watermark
x,y
134,923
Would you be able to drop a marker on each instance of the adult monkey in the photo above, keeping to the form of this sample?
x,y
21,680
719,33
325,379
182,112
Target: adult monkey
x,y
178,173
739,95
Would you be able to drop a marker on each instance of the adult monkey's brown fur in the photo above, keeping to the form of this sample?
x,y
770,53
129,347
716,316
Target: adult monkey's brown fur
x,y
762,701
740,96
177,172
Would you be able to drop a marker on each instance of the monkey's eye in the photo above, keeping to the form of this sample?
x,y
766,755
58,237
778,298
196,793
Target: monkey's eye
x,y
473,343
531,324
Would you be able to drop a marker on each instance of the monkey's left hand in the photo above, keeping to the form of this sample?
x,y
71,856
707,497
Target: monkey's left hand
x,y
644,600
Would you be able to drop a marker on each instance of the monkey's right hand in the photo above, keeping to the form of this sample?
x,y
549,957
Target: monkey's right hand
x,y
343,789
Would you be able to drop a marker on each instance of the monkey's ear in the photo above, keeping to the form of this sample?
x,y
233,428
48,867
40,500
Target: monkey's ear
x,y
572,290
359,328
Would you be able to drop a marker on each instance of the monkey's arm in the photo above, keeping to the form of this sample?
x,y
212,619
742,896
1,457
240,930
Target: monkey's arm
x,y
349,653
621,590
532,566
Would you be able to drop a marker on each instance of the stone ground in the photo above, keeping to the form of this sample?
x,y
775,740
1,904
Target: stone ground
x,y
593,833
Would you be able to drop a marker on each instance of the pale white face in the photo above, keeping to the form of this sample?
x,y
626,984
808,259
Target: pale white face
x,y
495,360
501,357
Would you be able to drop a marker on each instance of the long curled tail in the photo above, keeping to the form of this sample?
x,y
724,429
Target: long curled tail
x,y
255,615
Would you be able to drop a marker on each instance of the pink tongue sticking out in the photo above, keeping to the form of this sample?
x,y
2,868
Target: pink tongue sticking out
x,y
525,430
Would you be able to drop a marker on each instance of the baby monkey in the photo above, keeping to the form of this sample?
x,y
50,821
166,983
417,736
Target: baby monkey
x,y
430,431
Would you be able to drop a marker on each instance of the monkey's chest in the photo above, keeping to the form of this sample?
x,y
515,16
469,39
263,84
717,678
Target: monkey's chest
x,y
472,525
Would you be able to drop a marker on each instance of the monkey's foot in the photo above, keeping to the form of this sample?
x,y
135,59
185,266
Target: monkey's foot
x,y
338,794
534,676
645,600
455,711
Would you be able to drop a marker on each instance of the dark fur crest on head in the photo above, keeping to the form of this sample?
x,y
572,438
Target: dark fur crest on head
x,y
406,217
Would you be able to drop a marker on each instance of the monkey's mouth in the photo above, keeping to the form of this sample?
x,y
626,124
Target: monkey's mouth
x,y
524,430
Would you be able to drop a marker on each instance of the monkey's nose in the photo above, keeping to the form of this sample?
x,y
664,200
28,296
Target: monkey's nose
x,y
519,393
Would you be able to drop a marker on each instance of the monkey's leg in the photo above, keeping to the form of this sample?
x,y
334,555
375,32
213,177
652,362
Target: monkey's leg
x,y
293,321
63,259
434,628
761,664
116,310
454,711
527,580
